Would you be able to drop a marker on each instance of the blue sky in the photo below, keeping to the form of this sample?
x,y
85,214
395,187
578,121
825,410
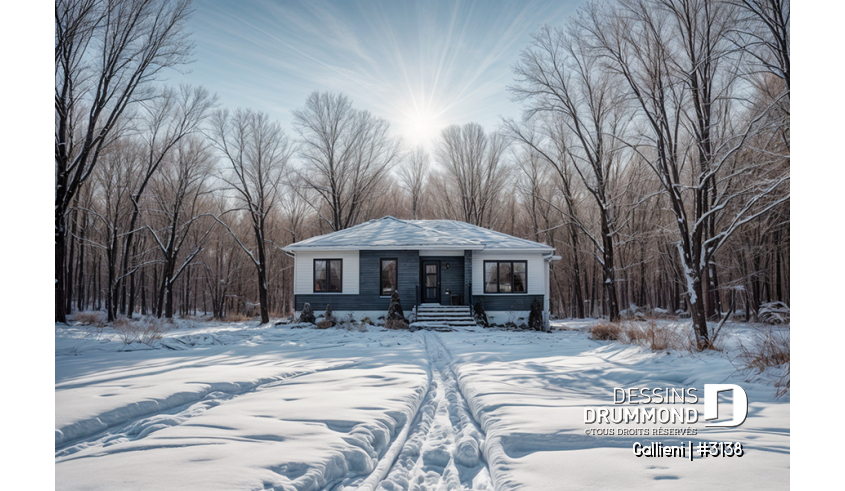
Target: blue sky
x,y
420,65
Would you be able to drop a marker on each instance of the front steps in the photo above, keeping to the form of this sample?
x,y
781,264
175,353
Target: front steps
x,y
445,315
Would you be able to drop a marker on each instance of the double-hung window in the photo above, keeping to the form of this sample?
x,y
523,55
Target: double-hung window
x,y
388,276
505,276
328,276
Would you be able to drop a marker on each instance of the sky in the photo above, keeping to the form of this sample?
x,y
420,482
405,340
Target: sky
x,y
420,65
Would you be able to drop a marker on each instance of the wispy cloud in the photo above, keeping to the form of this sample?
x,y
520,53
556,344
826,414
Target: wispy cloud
x,y
414,63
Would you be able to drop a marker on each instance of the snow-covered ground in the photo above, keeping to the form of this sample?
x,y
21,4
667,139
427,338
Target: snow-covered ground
x,y
240,406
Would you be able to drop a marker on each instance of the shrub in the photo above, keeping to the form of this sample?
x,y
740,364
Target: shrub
x,y
479,314
394,311
144,331
366,320
237,318
395,324
324,324
307,314
535,318
328,317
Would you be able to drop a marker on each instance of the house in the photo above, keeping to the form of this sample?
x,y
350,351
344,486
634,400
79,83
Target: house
x,y
429,262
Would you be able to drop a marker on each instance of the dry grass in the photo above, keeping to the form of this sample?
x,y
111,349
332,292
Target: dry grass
x,y
324,324
237,318
768,348
90,318
657,337
145,331
605,331
395,324
353,326
648,335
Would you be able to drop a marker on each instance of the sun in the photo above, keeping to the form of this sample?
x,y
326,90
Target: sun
x,y
421,126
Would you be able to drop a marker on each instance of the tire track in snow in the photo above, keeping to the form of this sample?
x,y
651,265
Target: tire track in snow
x,y
109,428
445,445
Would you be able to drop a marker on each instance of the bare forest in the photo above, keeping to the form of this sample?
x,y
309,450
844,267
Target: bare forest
x,y
652,152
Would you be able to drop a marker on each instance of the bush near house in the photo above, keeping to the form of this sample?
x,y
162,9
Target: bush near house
x,y
329,317
480,315
394,311
307,314
535,318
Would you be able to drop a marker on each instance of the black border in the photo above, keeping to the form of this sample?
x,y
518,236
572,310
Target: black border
x,y
439,278
328,275
497,292
381,271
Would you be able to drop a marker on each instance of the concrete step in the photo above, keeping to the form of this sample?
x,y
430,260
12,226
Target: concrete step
x,y
445,314
419,323
449,311
448,321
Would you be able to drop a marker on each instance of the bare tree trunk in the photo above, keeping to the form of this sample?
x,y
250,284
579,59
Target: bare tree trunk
x,y
80,275
60,267
70,258
576,272
143,290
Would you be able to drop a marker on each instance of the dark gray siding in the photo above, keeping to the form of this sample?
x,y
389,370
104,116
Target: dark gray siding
x,y
368,297
468,278
507,302
452,279
408,272
318,302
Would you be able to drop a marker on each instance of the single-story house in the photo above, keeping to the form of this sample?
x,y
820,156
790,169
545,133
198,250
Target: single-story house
x,y
429,262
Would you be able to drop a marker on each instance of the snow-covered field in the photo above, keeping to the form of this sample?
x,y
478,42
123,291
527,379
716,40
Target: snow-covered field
x,y
240,406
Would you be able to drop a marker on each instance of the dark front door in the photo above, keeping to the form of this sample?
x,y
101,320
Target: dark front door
x,y
431,282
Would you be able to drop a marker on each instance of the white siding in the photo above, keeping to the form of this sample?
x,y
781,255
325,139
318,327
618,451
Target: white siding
x,y
536,270
304,270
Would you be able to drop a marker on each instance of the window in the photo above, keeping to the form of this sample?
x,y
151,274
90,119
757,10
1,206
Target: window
x,y
328,275
388,276
505,276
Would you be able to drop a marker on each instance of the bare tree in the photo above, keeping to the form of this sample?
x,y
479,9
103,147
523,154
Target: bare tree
x,y
413,174
180,200
649,43
560,78
257,151
165,120
541,200
346,154
113,180
474,168
106,54
767,39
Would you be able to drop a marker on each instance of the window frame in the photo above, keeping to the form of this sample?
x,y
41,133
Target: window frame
x,y
328,275
381,278
498,286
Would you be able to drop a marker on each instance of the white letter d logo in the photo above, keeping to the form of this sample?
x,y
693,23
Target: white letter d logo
x,y
711,403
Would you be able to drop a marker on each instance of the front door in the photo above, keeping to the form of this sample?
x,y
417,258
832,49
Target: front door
x,y
431,282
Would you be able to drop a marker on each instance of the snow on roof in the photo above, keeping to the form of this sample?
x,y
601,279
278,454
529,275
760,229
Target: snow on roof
x,y
392,233
490,238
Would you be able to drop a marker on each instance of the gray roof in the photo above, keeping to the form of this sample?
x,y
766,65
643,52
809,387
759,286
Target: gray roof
x,y
392,233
